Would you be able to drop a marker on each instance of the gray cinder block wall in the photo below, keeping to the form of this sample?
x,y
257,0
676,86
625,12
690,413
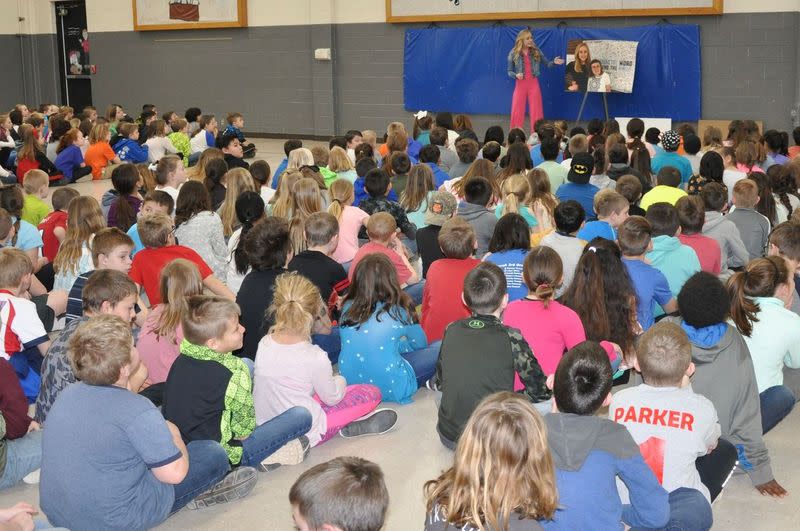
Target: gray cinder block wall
x,y
749,61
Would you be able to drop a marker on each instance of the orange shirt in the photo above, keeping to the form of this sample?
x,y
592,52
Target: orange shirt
x,y
97,157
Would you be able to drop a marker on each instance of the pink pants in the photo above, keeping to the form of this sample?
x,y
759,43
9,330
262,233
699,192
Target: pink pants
x,y
526,89
358,400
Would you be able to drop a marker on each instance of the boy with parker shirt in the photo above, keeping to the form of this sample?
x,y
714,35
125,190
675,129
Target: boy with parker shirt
x,y
672,425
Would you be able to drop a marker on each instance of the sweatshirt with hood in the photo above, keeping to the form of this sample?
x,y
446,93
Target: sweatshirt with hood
x,y
589,452
724,374
734,253
676,261
482,220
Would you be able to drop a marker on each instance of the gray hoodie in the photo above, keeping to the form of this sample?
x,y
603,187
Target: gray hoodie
x,y
725,375
482,220
753,228
734,253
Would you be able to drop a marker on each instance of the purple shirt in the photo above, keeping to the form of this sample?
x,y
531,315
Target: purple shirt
x,y
135,204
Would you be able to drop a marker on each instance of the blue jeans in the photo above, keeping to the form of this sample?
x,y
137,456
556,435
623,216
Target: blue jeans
x,y
23,457
688,511
330,343
273,434
776,403
193,158
423,361
415,291
208,464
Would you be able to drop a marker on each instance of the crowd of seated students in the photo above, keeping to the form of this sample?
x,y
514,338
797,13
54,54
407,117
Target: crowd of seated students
x,y
209,318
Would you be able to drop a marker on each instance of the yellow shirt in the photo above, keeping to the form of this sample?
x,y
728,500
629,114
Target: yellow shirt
x,y
34,210
661,194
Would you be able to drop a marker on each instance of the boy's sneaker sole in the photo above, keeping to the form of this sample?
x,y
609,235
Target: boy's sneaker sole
x,y
235,486
292,453
378,422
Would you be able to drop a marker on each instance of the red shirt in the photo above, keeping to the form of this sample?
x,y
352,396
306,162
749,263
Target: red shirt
x,y
24,166
148,263
403,273
707,250
441,298
48,226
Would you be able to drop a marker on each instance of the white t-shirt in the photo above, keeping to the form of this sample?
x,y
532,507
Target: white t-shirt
x,y
673,426
599,84
730,178
20,326
158,147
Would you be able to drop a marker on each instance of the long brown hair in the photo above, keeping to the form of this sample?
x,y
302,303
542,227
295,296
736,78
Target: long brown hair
x,y
237,180
179,280
84,218
418,185
30,144
502,465
124,179
539,184
760,278
192,199
375,288
67,139
479,168
306,200
543,273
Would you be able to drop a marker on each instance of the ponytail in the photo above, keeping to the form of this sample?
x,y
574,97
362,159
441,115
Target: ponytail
x,y
126,216
295,305
760,278
342,194
511,203
543,272
336,209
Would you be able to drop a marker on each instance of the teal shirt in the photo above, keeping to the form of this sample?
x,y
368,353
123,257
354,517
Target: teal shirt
x,y
775,342
524,211
676,261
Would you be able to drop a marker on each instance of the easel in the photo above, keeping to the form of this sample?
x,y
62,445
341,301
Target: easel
x,y
583,104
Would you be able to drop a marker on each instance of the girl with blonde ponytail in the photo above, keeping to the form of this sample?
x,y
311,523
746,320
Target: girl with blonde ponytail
x,y
350,219
161,336
516,195
760,298
291,371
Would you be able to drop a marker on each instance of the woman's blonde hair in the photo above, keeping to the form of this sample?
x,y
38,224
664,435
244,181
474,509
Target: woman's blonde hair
x,y
502,468
306,200
578,63
179,280
99,133
84,219
198,171
296,303
339,160
283,199
516,192
519,44
342,195
237,180
418,185
298,158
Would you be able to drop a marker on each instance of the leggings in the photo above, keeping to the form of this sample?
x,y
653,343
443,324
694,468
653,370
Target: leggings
x,y
359,399
715,468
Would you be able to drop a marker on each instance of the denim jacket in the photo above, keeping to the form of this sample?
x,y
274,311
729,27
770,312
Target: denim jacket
x,y
517,66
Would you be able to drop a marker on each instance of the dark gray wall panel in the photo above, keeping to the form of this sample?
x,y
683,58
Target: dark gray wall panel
x,y
30,70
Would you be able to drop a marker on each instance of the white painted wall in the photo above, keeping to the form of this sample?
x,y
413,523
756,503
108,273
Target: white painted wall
x,y
117,15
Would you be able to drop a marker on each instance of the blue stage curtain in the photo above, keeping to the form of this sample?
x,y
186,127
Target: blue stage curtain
x,y
464,70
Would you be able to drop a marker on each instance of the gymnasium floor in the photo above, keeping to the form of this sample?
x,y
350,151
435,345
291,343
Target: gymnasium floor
x,y
412,454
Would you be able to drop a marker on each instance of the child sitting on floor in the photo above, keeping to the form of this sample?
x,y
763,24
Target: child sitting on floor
x,y
106,292
155,202
590,452
350,219
441,297
123,211
465,373
382,343
36,184
20,435
208,393
569,219
290,371
508,247
717,226
474,209
324,496
158,236
161,335
84,219
504,439
753,226
128,148
650,284
691,216
54,226
611,209
670,447
378,185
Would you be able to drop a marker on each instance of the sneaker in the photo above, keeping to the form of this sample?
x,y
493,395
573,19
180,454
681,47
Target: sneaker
x,y
292,453
378,422
236,485
431,384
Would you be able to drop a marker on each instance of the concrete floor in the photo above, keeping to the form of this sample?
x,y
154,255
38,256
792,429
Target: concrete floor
x,y
412,454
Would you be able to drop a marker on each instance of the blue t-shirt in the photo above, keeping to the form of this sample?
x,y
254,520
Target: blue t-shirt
x,y
582,193
28,236
69,159
133,232
595,229
651,288
439,175
537,158
361,194
98,450
676,160
511,262
281,169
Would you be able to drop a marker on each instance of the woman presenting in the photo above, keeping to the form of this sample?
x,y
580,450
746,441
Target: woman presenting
x,y
577,75
524,62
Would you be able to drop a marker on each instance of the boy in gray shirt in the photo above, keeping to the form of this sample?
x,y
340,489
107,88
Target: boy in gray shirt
x,y
753,226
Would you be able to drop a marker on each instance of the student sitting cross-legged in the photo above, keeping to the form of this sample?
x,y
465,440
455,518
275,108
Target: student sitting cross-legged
x,y
126,468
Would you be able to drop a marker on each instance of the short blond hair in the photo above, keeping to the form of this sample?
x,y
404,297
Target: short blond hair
x,y
664,353
166,165
381,226
339,160
33,180
100,348
154,230
607,202
207,318
14,265
745,193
